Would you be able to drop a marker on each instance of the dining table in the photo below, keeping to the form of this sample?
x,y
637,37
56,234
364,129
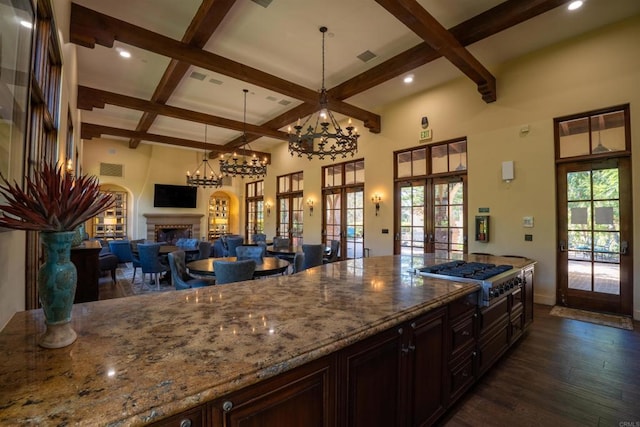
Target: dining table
x,y
287,251
266,267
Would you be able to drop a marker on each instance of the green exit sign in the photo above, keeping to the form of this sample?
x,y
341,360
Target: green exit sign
x,y
426,135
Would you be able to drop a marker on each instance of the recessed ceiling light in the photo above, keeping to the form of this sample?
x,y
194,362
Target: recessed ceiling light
x,y
26,24
408,79
575,5
125,54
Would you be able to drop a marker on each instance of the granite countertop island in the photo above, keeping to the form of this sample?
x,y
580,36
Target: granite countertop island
x,y
139,359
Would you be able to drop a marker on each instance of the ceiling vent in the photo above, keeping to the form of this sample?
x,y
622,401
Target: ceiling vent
x,y
263,3
272,98
215,81
110,169
367,56
284,102
198,76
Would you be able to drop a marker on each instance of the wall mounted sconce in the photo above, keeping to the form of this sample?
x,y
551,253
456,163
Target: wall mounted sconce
x,y
70,167
376,199
267,206
310,204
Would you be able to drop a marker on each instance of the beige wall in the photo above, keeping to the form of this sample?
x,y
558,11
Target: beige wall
x,y
591,72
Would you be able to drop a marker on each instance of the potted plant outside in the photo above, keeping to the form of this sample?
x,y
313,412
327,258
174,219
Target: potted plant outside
x,y
55,204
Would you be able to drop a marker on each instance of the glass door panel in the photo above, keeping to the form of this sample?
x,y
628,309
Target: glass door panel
x,y
354,239
593,271
411,238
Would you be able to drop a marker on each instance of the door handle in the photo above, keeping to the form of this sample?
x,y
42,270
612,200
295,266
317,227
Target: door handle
x,y
563,247
624,247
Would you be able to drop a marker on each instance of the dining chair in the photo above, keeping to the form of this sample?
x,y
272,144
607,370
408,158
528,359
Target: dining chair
x,y
179,276
259,237
298,261
121,249
312,255
204,249
234,271
333,252
150,261
280,242
250,252
232,244
135,257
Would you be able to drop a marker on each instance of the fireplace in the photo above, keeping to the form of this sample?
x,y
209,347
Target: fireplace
x,y
171,233
171,227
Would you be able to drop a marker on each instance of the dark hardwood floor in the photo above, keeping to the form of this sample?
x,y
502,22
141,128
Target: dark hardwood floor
x,y
562,373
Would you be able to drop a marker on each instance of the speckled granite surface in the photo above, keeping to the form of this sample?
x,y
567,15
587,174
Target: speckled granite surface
x,y
142,358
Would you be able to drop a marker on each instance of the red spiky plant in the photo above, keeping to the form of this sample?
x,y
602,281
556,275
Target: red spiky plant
x,y
52,201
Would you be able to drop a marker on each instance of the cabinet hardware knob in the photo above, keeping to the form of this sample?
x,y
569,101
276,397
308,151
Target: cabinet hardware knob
x,y
465,333
474,354
185,423
413,325
227,406
400,331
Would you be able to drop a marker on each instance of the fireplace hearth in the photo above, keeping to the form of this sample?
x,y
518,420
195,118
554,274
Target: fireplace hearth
x,y
170,227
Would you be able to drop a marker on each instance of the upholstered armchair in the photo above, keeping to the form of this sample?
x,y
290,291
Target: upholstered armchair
x,y
233,271
204,249
333,252
179,276
259,237
312,255
298,262
121,249
232,243
250,252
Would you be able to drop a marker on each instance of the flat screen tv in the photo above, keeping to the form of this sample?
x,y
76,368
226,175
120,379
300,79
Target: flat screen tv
x,y
174,196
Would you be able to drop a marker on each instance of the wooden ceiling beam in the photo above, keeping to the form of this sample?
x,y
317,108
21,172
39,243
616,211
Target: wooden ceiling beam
x,y
89,27
207,19
90,98
90,130
416,18
486,24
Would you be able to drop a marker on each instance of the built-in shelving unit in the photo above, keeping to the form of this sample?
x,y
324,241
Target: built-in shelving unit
x,y
112,223
218,215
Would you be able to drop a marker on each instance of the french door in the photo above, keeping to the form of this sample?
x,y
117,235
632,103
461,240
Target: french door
x,y
595,232
432,217
344,220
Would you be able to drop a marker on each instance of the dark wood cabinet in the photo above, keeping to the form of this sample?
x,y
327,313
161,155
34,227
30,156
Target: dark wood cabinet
x,y
408,375
195,417
301,397
396,377
527,298
427,371
86,259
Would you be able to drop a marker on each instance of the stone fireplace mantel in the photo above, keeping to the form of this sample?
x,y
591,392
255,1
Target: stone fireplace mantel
x,y
178,220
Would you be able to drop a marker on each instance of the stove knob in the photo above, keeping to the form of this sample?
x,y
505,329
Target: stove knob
x,y
501,289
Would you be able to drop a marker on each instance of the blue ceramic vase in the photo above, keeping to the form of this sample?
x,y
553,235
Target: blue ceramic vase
x,y
57,279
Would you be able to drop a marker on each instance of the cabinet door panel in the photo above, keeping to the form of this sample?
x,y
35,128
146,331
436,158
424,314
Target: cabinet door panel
x,y
372,390
429,368
302,397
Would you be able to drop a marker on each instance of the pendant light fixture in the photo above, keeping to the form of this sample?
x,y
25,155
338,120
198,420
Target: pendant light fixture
x,y
230,165
320,135
208,178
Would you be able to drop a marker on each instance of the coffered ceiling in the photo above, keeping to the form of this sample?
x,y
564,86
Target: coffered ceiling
x,y
190,59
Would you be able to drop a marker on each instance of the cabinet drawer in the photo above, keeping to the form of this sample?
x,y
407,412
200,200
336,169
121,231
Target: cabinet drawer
x,y
517,324
492,347
494,316
462,336
191,418
463,306
460,378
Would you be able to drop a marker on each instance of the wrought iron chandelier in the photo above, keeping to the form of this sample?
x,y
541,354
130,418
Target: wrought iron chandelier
x,y
208,178
314,137
231,165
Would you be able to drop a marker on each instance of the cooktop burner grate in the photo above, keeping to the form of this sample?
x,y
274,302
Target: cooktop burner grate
x,y
469,270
